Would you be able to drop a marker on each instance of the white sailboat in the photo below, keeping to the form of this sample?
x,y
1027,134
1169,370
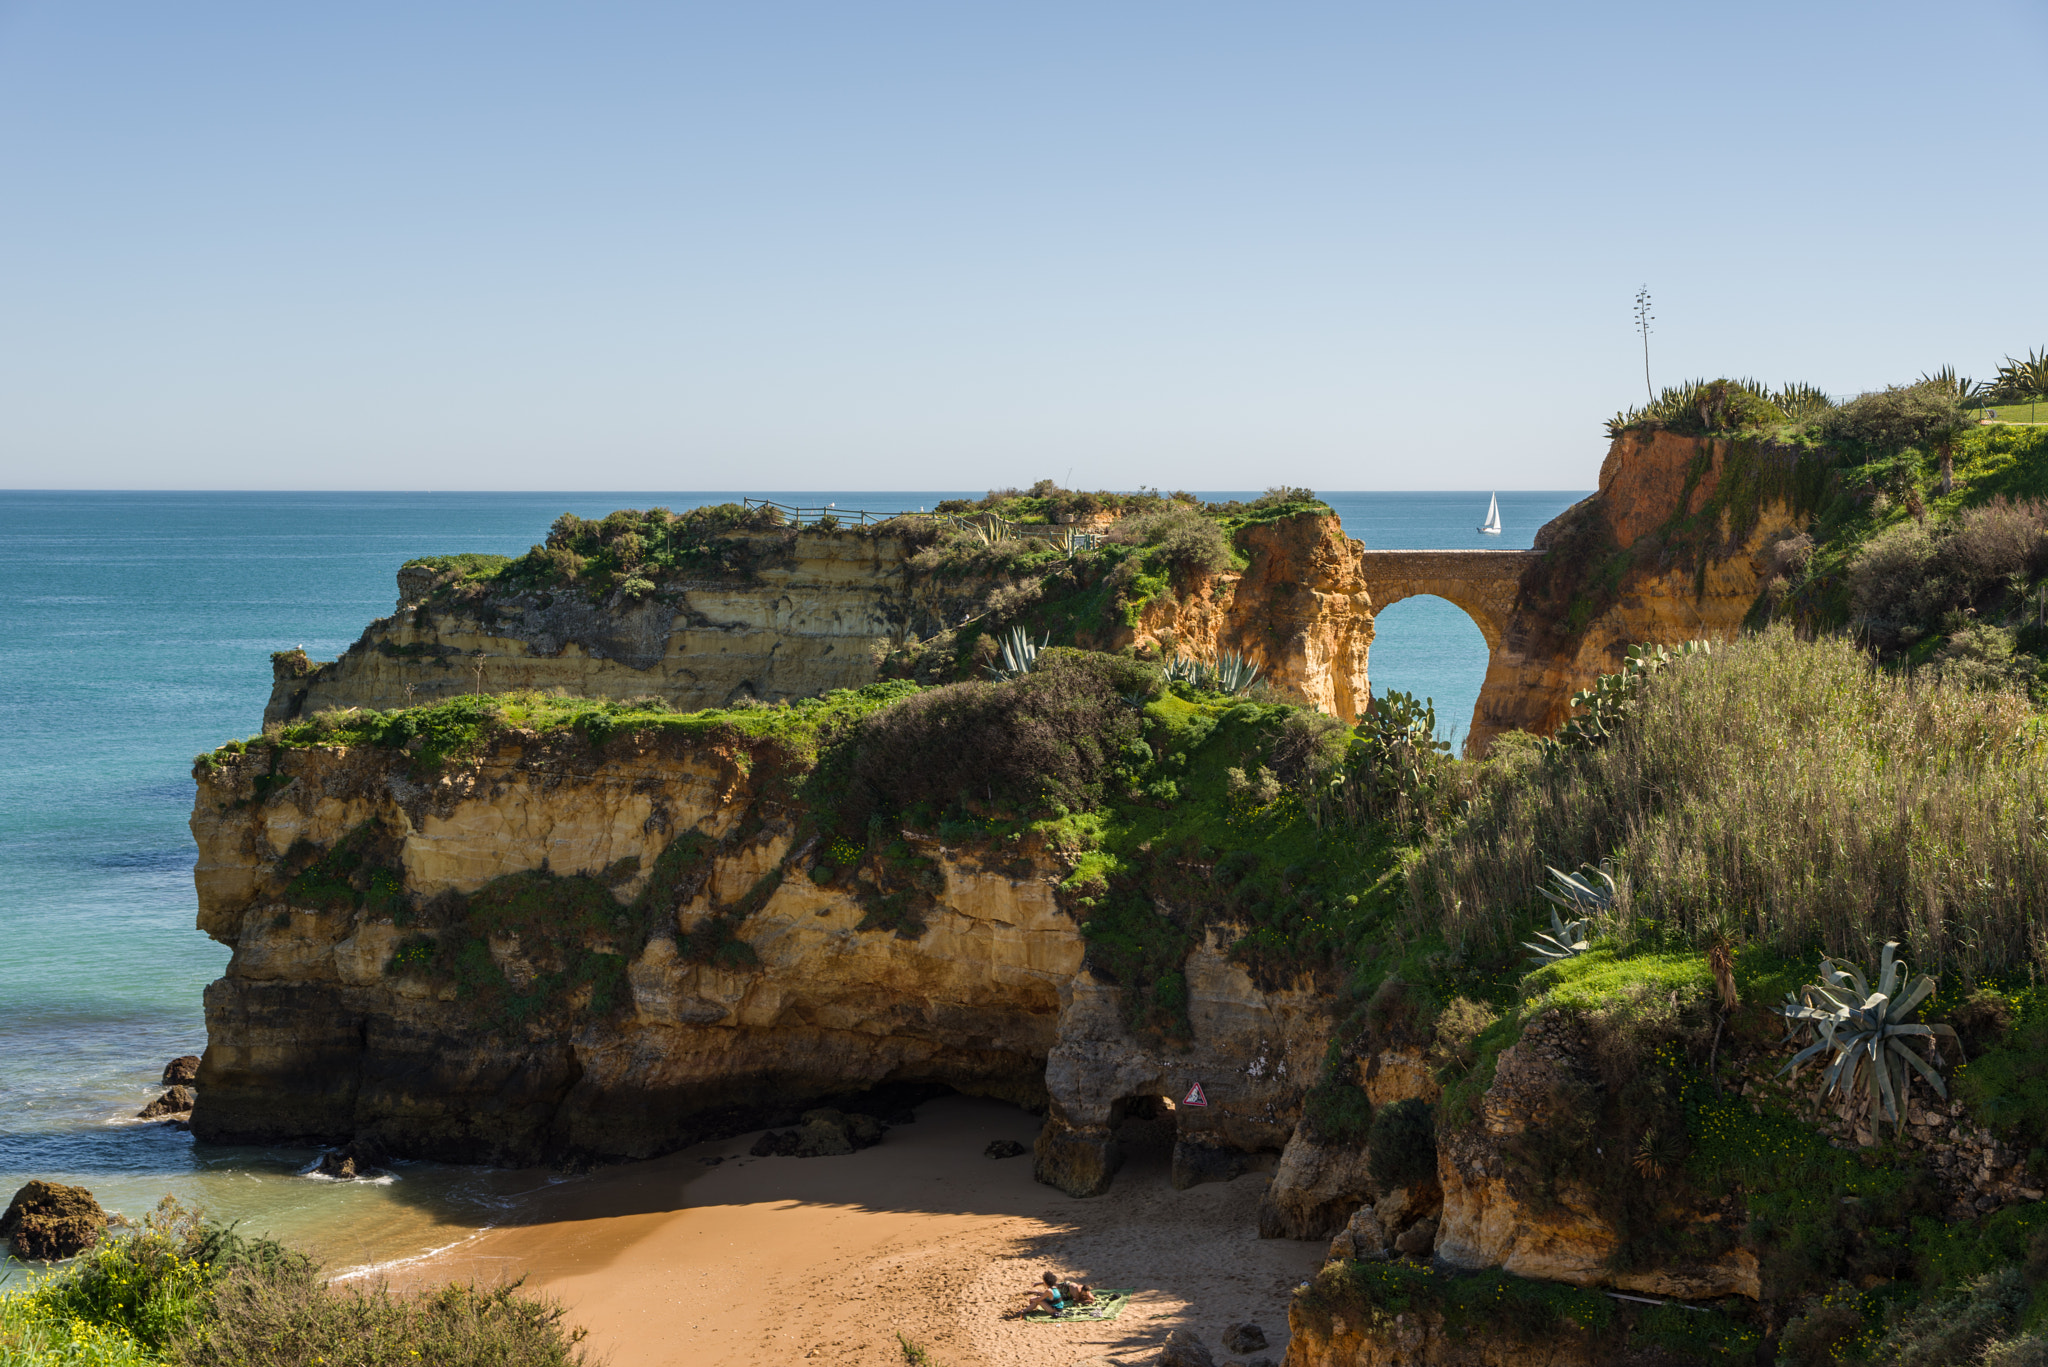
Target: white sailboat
x,y
1492,524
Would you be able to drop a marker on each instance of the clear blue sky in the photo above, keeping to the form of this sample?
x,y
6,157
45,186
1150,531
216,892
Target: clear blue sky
x,y
884,245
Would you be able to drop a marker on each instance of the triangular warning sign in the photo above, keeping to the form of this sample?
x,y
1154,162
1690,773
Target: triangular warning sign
x,y
1195,1097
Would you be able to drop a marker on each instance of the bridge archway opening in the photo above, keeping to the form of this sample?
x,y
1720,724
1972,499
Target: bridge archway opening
x,y
1430,647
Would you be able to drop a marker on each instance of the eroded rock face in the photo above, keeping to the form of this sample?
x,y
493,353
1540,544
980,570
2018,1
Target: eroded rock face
x,y
1682,583
1488,1221
1321,1183
1315,1189
323,1029
1419,1338
807,618
817,611
1249,1053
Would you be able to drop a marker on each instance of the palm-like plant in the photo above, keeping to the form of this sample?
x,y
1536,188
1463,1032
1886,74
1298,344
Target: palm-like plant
x,y
1020,654
1867,1032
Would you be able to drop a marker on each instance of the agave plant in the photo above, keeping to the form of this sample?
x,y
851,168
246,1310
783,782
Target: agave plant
x,y
1231,675
1946,380
1592,894
1802,402
1563,940
1867,1032
2022,378
1020,654
991,531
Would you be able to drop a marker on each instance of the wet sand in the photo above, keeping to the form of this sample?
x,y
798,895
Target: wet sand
x,y
764,1262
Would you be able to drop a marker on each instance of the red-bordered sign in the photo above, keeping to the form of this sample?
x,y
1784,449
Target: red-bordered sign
x,y
1195,1097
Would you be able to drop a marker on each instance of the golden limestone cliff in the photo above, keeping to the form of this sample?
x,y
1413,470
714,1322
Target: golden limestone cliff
x,y
1676,545
797,613
552,952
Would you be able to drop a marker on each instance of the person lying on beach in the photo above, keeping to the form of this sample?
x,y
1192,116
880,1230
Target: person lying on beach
x,y
1056,1296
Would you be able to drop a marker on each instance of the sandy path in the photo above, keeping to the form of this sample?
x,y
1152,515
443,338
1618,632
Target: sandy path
x,y
764,1262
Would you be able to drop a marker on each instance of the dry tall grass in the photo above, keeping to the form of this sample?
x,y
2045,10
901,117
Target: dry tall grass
x,y
1787,791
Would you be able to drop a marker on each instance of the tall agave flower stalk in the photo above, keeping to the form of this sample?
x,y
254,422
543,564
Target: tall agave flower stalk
x,y
1868,1033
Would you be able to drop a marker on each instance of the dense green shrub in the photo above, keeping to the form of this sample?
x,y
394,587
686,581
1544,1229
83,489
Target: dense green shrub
x,y
1180,537
1701,407
181,1290
465,564
1890,419
1905,580
2006,1077
1401,1147
258,1321
1047,738
1337,1110
598,555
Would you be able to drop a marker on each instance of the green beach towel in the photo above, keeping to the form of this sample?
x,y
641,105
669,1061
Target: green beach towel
x,y
1108,1305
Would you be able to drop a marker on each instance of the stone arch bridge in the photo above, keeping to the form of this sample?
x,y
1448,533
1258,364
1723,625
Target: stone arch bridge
x,y
1483,583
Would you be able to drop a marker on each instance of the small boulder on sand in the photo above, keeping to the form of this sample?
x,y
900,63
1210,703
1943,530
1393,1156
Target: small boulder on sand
x,y
826,1133
1003,1148
177,1101
48,1220
1243,1338
182,1071
1184,1348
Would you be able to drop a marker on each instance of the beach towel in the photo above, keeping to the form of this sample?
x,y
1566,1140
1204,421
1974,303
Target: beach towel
x,y
1108,1305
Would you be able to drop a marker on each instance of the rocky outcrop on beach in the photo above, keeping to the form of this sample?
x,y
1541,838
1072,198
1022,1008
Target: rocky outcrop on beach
x,y
652,958
1556,1232
175,1102
1249,1054
181,1071
47,1221
814,610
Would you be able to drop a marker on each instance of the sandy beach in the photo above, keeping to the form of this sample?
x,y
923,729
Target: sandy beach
x,y
760,1262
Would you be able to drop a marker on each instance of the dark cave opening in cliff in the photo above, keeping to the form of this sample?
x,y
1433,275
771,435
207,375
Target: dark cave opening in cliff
x,y
1431,648
1144,1128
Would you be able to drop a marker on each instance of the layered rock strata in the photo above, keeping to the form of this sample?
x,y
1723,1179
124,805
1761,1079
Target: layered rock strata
x,y
1491,1220
818,610
596,1010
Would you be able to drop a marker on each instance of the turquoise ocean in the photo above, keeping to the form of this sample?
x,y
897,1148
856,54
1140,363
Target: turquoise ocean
x,y
136,631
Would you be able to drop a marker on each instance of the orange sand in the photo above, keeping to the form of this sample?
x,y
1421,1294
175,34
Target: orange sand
x,y
764,1262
